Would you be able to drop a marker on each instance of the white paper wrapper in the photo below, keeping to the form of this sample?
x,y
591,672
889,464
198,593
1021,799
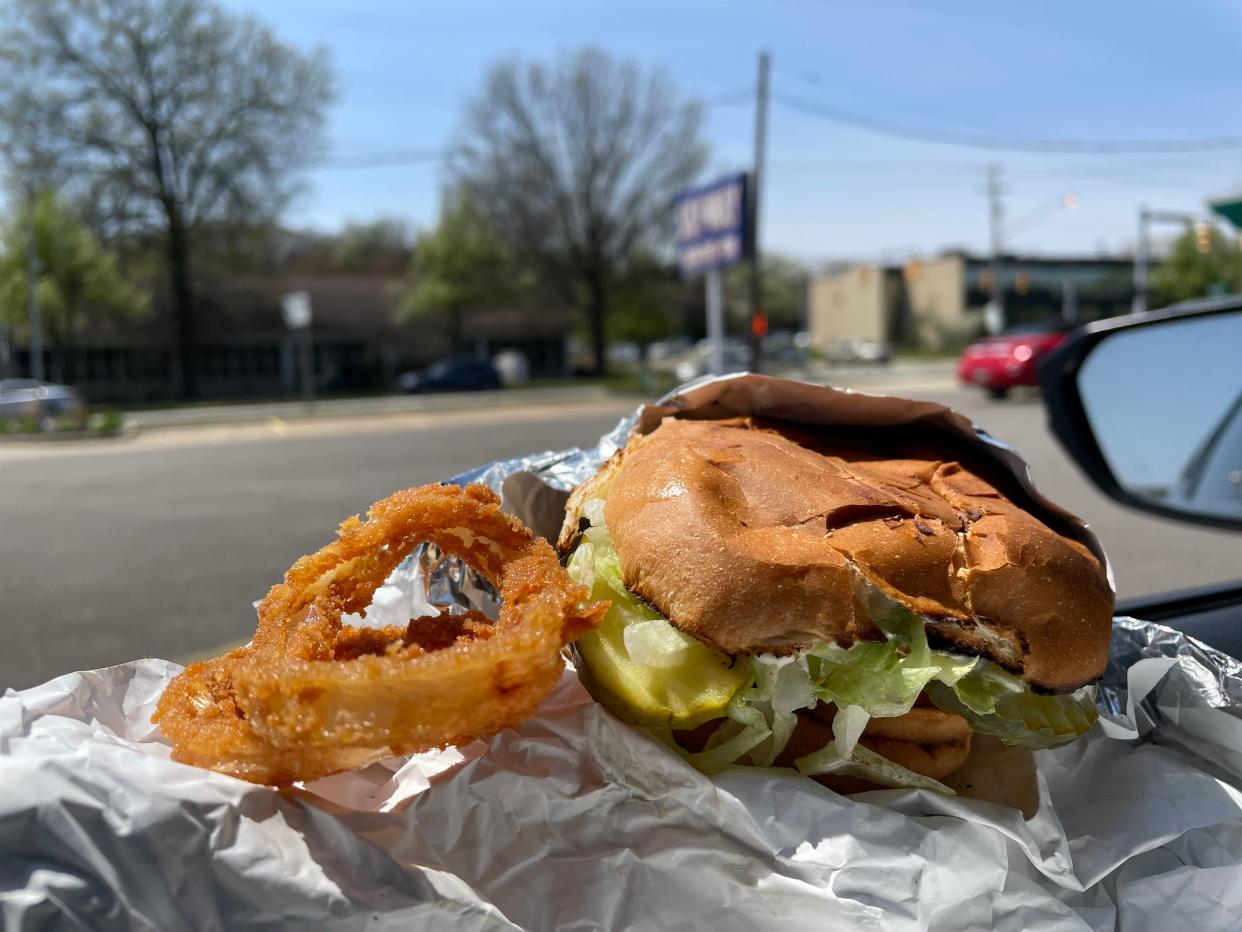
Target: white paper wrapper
x,y
577,821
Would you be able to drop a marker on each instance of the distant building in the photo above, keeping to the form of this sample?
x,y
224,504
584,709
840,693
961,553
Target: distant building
x,y
865,301
939,303
360,341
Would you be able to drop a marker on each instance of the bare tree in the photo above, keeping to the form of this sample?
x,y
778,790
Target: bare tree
x,y
173,113
577,164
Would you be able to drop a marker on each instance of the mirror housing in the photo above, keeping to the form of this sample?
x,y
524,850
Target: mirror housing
x,y
1113,390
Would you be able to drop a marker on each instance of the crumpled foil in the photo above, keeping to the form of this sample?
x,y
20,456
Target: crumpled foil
x,y
577,821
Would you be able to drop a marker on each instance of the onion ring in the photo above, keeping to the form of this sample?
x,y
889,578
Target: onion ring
x,y
309,697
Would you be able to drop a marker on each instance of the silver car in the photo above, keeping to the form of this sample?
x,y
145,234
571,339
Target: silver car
x,y
43,401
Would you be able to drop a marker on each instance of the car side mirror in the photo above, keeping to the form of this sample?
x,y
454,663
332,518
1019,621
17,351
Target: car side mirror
x,y
1150,407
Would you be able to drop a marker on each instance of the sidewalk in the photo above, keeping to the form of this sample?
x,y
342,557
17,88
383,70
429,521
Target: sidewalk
x,y
895,377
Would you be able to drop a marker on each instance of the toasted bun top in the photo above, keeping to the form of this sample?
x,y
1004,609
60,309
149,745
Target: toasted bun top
x,y
751,542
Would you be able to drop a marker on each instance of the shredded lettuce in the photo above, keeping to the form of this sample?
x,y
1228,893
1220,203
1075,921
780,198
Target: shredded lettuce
x,y
1019,717
744,730
846,756
782,686
885,678
654,675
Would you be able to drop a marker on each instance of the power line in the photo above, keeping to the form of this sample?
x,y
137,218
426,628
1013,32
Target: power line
x,y
397,158
1006,143
392,159
1147,184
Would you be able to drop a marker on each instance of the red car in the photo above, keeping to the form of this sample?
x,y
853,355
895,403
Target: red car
x,y
999,363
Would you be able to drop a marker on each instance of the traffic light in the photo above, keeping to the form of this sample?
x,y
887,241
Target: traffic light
x,y
1022,283
1203,237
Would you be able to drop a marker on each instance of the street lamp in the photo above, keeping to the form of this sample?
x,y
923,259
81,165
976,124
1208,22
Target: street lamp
x,y
1061,202
994,314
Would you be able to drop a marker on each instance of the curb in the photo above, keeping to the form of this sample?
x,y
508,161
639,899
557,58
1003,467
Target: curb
x,y
65,436
141,421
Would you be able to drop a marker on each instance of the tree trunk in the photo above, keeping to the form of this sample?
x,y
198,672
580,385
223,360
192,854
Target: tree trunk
x,y
183,303
595,284
455,330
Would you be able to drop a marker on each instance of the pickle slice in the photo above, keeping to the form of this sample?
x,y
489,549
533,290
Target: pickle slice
x,y
684,685
695,690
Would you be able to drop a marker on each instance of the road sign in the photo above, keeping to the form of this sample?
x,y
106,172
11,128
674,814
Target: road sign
x,y
1230,209
712,226
295,307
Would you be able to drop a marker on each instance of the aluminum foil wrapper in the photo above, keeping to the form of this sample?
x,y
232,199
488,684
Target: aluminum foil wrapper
x,y
577,821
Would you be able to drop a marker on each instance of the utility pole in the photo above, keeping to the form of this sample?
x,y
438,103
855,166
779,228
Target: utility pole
x,y
996,219
32,298
758,321
1069,298
715,321
1142,247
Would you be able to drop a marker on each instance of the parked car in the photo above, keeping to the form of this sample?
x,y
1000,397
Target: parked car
x,y
1012,358
667,349
787,347
624,354
858,350
459,374
699,361
44,401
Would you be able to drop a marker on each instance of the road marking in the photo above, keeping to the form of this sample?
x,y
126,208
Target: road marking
x,y
278,427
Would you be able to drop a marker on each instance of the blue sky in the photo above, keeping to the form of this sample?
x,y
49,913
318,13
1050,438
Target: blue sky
x,y
1102,69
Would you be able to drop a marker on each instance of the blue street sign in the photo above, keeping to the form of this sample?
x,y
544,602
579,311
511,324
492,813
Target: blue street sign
x,y
711,226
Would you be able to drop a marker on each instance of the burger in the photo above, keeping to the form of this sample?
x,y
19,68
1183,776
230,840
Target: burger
x,y
825,601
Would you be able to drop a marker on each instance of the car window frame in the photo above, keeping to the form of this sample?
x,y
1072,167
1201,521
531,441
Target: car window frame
x,y
1067,415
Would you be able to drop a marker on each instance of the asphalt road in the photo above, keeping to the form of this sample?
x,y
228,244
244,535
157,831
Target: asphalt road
x,y
158,546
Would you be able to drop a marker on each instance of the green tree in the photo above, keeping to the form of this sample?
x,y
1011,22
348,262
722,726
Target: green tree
x,y
462,264
1189,272
165,117
577,165
784,284
645,304
78,283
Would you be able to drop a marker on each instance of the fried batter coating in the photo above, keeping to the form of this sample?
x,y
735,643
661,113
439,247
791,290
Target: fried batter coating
x,y
309,696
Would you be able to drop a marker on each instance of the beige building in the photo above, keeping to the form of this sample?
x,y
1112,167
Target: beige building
x,y
855,303
942,311
938,303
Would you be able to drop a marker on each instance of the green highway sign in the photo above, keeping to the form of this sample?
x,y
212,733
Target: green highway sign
x,y
1230,209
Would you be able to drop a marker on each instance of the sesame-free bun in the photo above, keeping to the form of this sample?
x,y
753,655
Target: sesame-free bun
x,y
754,541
